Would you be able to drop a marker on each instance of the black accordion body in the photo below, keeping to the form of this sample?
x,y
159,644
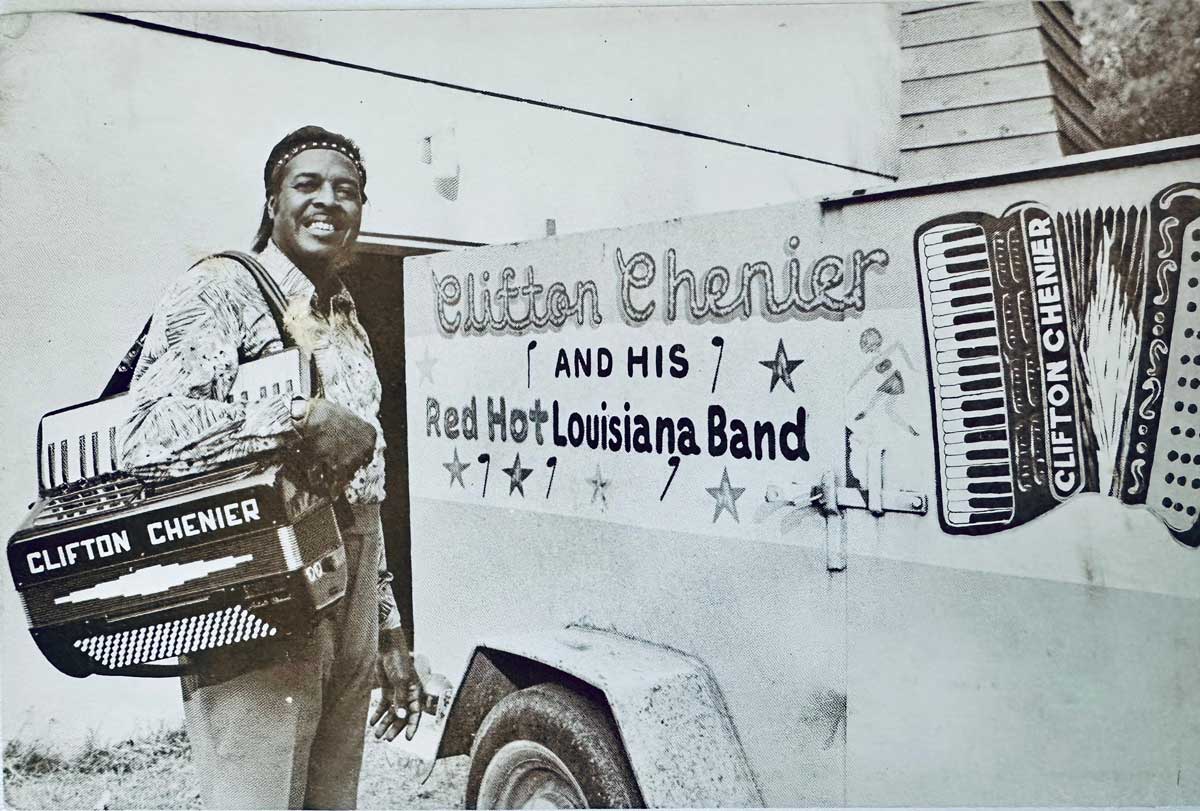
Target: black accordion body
x,y
1064,356
115,573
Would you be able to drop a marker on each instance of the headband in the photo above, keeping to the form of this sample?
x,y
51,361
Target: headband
x,y
312,137
298,148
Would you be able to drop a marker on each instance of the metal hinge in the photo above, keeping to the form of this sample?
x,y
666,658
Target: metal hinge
x,y
831,498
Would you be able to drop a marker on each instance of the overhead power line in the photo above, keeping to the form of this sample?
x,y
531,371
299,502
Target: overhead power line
x,y
408,77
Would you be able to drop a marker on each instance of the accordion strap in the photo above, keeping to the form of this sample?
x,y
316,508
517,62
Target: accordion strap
x,y
122,376
271,291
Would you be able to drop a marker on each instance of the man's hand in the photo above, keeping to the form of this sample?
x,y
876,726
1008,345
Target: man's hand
x,y
399,707
336,443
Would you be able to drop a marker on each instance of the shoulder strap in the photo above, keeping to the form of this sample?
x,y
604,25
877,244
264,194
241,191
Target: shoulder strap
x,y
122,376
270,289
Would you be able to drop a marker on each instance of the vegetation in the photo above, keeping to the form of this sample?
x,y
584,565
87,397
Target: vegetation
x,y
151,771
1144,61
155,771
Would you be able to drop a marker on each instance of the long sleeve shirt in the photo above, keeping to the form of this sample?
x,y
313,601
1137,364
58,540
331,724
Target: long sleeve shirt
x,y
212,319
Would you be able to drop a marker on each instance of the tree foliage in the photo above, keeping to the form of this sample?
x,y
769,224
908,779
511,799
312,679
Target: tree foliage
x,y
1143,57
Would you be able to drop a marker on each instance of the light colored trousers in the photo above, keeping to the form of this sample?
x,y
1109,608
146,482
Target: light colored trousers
x,y
290,734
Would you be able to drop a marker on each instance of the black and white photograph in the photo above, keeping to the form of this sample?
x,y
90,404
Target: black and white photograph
x,y
617,406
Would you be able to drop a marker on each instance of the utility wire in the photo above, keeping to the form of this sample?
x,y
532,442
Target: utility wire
x,y
408,77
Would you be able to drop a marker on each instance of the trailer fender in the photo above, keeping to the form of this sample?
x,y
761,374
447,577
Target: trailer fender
x,y
668,710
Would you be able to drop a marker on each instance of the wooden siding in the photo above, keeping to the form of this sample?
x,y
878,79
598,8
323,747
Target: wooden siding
x,y
984,123
969,21
976,156
1074,98
971,55
986,84
974,89
1077,130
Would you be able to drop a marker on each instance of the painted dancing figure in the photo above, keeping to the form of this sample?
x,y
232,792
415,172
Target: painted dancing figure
x,y
891,385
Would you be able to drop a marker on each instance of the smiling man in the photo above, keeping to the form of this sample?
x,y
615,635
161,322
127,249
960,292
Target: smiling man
x,y
283,728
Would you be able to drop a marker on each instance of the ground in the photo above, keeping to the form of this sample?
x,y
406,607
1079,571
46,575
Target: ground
x,y
155,771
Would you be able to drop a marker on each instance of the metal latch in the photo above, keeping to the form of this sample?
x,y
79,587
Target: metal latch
x,y
830,498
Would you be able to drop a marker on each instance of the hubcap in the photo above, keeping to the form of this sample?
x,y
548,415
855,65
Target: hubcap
x,y
525,774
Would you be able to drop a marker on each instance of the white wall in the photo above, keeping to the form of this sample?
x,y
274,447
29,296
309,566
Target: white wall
x,y
816,81
127,154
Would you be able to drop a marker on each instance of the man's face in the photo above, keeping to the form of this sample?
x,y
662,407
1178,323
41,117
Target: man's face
x,y
317,209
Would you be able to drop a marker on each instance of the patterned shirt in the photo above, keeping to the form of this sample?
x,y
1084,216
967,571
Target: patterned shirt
x,y
214,318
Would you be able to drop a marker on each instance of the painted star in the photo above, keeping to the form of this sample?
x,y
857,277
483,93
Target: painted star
x,y
456,469
726,497
516,476
425,364
600,488
781,368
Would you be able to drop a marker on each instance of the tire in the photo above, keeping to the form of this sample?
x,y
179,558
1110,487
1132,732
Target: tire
x,y
549,747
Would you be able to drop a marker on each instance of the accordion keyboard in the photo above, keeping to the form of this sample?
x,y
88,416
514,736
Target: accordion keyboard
x,y
969,390
82,444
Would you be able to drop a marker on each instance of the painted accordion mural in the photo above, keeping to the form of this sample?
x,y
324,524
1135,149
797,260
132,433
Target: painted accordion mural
x,y
1064,356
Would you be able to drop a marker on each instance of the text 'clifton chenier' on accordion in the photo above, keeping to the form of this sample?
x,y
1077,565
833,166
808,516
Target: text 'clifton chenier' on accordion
x,y
1064,356
115,573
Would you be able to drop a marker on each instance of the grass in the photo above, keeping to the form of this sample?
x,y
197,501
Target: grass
x,y
150,771
154,770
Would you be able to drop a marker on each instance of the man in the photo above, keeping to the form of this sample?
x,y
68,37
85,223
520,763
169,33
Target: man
x,y
283,728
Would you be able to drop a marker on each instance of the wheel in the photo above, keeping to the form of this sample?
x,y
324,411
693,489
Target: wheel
x,y
548,747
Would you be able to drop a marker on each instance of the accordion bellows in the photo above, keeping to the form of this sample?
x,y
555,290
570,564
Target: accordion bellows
x,y
115,574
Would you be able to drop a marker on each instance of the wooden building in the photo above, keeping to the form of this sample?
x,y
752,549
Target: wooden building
x,y
991,85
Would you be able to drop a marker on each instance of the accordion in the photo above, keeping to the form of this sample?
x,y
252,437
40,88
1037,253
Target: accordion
x,y
1064,356
115,573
